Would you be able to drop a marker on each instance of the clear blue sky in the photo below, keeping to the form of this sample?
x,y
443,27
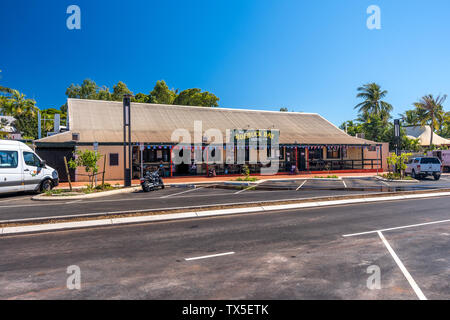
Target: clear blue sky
x,y
304,55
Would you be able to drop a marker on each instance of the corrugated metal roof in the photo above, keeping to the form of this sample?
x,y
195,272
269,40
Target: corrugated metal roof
x,y
102,121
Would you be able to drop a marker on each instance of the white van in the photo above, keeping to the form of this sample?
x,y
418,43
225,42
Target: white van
x,y
22,170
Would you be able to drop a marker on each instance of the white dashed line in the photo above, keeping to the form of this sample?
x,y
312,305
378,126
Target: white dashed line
x,y
407,275
210,256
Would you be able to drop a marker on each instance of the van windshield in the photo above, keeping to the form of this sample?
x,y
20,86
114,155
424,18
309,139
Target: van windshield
x,y
430,161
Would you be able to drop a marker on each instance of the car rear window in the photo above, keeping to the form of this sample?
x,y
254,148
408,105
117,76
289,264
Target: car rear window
x,y
430,161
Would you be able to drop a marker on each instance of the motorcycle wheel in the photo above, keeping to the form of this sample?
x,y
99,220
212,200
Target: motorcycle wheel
x,y
146,187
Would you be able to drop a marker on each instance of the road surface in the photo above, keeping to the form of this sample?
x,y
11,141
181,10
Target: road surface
x,y
297,254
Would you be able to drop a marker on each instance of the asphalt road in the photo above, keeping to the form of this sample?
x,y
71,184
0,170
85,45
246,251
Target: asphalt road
x,y
298,254
22,207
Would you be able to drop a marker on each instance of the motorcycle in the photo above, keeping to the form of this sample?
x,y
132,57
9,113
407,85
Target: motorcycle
x,y
151,181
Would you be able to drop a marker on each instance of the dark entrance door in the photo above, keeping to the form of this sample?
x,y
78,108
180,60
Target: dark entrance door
x,y
55,159
301,156
182,169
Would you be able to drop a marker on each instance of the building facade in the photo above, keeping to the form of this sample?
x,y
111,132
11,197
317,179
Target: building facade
x,y
187,140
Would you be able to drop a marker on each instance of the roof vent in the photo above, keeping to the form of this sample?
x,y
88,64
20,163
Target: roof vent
x,y
75,136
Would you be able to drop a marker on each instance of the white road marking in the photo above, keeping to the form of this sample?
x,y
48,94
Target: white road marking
x,y
407,275
210,256
345,185
244,189
396,228
385,183
301,185
174,194
73,201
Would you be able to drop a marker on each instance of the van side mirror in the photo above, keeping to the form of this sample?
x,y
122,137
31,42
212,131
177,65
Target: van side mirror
x,y
43,163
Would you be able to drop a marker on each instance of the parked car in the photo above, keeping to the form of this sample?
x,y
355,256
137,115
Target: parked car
x,y
22,170
444,157
421,167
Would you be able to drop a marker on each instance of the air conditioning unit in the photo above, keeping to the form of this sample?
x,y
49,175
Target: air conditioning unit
x,y
361,135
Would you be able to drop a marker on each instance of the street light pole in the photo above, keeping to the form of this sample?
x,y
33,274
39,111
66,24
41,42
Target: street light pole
x,y
127,123
397,136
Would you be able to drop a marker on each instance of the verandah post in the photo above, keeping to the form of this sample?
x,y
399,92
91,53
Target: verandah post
x,y
170,161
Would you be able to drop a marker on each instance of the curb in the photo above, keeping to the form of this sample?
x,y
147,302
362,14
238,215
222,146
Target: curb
x,y
400,181
208,213
43,197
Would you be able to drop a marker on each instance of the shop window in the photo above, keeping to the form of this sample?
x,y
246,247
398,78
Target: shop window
x,y
315,154
333,154
113,159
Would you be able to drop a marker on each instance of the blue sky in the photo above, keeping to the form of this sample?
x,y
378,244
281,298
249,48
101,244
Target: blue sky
x,y
304,55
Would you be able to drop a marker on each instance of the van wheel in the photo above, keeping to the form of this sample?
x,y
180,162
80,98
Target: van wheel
x,y
46,185
436,176
413,174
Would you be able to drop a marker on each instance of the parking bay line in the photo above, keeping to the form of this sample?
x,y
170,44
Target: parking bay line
x,y
244,189
407,275
345,185
209,256
174,194
396,228
301,185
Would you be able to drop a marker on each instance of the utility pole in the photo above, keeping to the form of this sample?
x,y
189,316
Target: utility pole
x,y
39,124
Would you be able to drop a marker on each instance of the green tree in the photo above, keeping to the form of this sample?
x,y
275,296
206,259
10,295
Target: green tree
x,y
284,109
119,90
87,159
194,97
373,104
27,126
141,98
431,112
87,90
104,94
162,94
351,127
445,128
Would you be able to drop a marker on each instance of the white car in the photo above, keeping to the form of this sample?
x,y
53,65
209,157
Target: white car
x,y
421,167
22,170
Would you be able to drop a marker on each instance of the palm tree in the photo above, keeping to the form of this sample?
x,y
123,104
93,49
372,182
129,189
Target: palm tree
x,y
431,112
17,104
410,117
372,104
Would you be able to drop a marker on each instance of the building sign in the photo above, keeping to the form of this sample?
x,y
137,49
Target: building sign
x,y
257,135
